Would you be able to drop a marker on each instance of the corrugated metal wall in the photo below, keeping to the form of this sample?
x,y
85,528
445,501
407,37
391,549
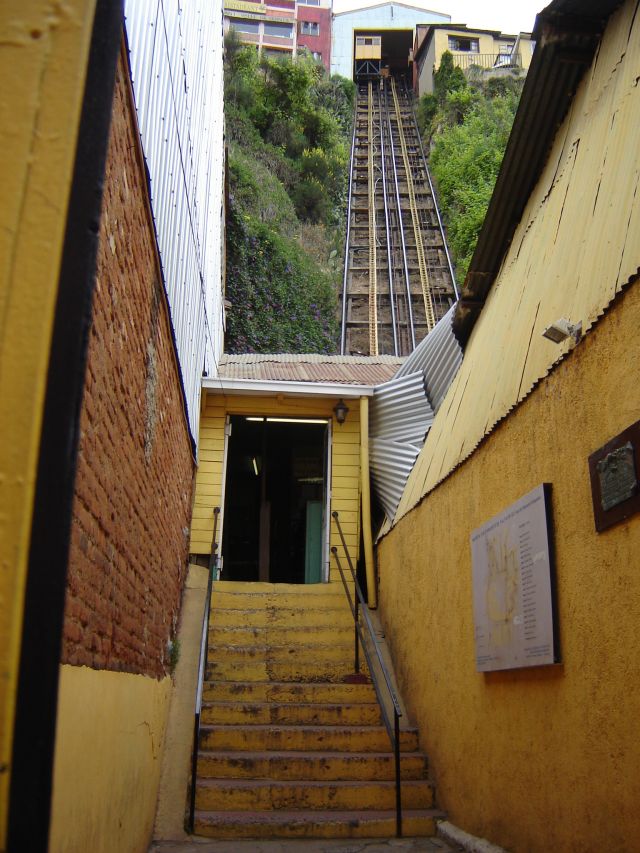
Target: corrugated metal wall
x,y
176,65
575,248
403,409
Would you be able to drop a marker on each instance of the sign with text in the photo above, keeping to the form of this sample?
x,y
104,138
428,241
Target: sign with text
x,y
244,6
513,603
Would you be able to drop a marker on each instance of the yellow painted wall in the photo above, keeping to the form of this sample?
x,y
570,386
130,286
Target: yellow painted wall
x,y
345,459
176,758
43,55
574,249
548,758
109,740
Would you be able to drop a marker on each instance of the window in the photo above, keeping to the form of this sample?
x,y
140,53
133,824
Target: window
x,y
243,26
317,56
309,28
308,2
284,31
464,45
274,53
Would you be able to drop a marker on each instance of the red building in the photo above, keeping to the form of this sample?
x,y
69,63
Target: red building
x,y
314,29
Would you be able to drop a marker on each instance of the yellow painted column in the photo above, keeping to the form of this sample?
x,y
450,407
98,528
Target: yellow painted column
x,y
44,48
372,593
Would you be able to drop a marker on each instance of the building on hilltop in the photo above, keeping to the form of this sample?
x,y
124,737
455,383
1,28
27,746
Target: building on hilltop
x,y
489,52
394,21
281,28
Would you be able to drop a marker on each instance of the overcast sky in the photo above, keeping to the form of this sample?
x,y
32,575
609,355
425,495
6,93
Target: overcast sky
x,y
510,17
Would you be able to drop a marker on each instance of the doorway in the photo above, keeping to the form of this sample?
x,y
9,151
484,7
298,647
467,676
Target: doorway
x,y
276,509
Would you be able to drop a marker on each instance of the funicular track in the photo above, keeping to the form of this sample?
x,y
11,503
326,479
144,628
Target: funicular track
x,y
398,280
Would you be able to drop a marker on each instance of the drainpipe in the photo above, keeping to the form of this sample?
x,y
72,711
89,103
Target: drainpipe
x,y
372,595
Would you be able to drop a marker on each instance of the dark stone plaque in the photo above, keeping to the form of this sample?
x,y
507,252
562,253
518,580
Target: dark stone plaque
x,y
617,473
614,479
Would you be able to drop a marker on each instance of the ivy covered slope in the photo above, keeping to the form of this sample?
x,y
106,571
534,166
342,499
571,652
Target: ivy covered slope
x,y
466,123
288,127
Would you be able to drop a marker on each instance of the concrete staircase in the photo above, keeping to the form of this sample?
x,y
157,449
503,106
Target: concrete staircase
x,y
288,748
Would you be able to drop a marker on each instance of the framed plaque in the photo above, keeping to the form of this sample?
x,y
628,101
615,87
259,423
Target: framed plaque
x,y
514,586
614,470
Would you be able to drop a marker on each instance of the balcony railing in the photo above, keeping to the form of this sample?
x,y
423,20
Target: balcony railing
x,y
487,60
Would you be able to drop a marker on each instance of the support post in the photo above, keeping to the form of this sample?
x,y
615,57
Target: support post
x,y
372,593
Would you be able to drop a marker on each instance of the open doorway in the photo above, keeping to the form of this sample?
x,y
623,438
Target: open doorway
x,y
276,512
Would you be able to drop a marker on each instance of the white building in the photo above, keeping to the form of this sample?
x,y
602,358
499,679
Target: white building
x,y
395,21
176,68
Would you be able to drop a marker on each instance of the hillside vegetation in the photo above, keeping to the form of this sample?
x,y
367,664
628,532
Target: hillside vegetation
x,y
288,128
466,123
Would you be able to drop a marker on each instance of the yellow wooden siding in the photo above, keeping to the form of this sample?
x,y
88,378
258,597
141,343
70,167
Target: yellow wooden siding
x,y
345,460
577,245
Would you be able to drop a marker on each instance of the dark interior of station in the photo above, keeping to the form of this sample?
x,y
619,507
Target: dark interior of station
x,y
396,46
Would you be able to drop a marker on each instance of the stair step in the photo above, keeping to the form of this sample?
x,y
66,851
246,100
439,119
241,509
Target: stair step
x,y
279,670
323,766
264,795
315,824
257,587
290,617
252,600
242,635
273,691
302,651
324,738
290,713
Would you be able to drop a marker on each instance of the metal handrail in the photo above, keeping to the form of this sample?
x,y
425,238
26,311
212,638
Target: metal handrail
x,y
359,606
204,647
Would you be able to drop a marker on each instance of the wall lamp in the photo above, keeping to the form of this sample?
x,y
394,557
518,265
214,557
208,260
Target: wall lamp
x,y
341,410
563,329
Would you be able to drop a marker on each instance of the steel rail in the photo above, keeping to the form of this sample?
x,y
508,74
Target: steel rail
x,y
401,230
343,331
373,260
436,207
394,322
424,280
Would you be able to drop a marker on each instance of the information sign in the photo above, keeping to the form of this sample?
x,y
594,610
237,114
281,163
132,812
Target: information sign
x,y
513,586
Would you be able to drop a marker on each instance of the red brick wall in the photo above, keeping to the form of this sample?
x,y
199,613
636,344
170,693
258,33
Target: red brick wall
x,y
135,469
322,43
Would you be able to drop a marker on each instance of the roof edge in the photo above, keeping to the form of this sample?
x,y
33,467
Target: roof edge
x,y
291,388
566,45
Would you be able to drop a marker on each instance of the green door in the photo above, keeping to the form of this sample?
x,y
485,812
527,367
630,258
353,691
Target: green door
x,y
313,543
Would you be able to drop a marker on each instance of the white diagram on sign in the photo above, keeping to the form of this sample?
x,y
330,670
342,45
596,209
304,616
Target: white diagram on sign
x,y
502,587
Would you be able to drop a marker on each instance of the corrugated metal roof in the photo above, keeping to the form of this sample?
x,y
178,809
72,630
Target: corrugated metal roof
x,y
575,248
402,410
350,370
439,356
176,69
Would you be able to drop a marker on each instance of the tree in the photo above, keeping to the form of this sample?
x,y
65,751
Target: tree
x,y
467,125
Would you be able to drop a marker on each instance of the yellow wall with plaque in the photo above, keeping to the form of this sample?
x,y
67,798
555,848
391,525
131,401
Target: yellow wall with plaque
x,y
544,758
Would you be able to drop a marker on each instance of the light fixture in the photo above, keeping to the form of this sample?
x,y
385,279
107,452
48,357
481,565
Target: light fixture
x,y
341,410
563,329
289,420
